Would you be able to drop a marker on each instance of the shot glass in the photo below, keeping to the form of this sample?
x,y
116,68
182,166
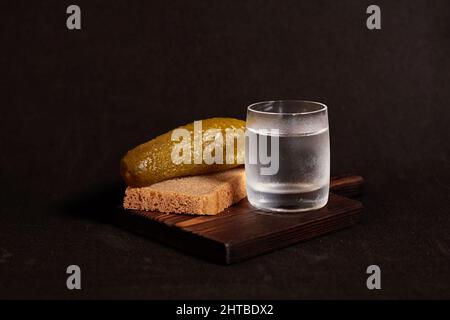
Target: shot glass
x,y
287,155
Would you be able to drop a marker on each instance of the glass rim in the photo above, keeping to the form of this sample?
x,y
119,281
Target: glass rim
x,y
323,107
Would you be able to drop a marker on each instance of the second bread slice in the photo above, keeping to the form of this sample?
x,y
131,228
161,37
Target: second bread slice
x,y
205,194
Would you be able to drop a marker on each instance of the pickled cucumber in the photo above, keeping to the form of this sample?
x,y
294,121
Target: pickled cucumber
x,y
152,161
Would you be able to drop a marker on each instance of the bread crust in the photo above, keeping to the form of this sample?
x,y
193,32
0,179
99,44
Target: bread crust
x,y
202,195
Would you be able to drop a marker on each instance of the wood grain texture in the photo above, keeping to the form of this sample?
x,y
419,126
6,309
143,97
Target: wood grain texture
x,y
347,185
242,231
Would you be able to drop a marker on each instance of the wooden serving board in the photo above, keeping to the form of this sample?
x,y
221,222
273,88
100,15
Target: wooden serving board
x,y
242,231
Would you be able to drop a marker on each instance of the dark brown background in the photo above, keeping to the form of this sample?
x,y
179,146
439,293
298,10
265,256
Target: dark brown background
x,y
74,101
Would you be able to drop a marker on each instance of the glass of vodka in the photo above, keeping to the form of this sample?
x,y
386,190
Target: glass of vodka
x,y
287,155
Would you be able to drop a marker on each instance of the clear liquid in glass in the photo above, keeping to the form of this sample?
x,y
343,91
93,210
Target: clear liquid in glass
x,y
303,177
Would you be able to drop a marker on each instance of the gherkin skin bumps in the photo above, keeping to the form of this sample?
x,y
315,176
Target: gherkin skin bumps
x,y
151,161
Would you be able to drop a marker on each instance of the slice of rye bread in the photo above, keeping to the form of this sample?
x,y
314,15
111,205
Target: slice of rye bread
x,y
203,194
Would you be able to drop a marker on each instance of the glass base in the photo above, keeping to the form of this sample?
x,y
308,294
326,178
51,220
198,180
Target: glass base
x,y
287,209
288,202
